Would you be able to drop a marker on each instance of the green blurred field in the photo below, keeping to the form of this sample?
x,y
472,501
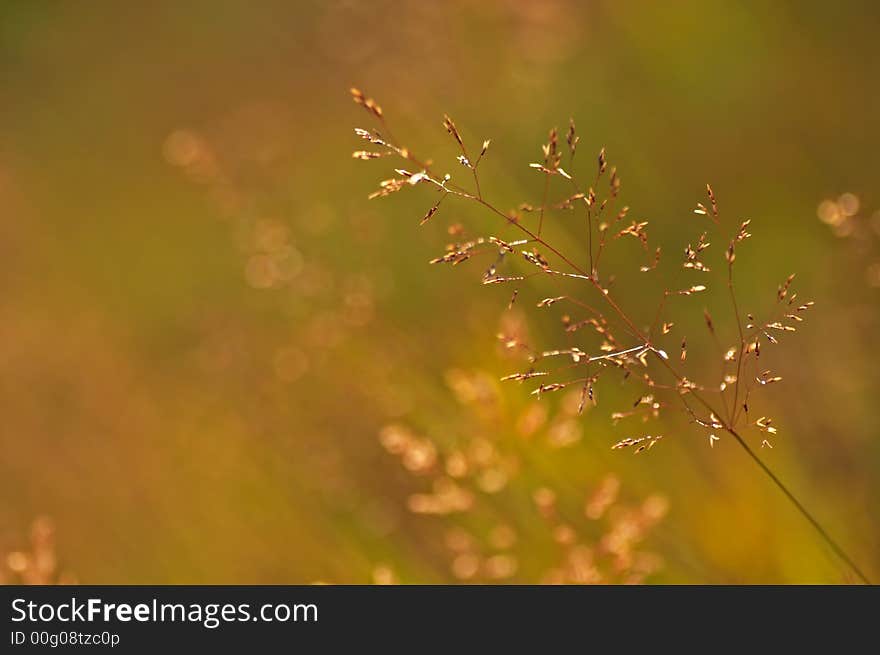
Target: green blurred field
x,y
204,324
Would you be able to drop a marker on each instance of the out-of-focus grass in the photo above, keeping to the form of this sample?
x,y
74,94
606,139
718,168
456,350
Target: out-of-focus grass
x,y
182,424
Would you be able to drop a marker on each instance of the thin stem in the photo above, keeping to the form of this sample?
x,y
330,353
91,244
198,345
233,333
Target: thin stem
x,y
590,237
544,202
840,552
603,233
472,166
742,342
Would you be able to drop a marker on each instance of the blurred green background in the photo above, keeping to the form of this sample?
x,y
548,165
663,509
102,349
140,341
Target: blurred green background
x,y
204,324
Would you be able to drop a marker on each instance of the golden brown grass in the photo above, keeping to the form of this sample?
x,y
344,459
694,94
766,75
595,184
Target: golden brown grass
x,y
650,355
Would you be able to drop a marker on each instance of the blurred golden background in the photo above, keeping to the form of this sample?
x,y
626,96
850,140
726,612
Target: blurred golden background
x,y
205,327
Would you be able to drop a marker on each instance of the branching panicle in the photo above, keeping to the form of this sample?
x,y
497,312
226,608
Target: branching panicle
x,y
713,408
